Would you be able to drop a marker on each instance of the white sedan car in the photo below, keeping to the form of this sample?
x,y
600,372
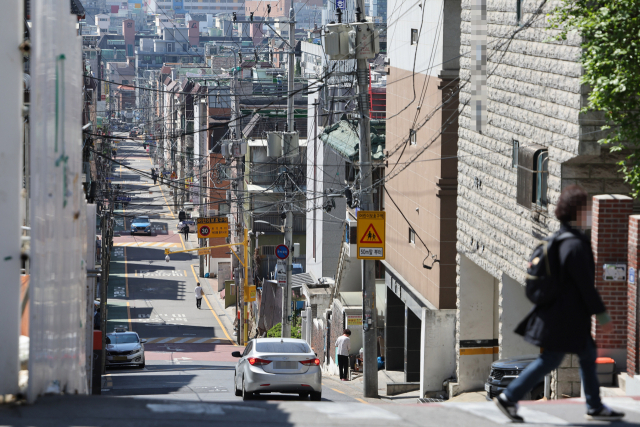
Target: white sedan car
x,y
278,365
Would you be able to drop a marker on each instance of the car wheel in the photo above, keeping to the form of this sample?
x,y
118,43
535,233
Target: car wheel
x,y
142,365
303,395
316,396
538,392
245,394
238,392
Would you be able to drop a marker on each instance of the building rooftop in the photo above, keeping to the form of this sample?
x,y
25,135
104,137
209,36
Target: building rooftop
x,y
344,138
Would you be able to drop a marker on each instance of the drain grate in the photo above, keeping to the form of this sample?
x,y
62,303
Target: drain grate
x,y
430,400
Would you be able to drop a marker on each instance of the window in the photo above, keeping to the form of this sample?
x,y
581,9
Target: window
x,y
412,235
518,12
514,154
412,137
414,36
532,176
169,47
282,347
185,47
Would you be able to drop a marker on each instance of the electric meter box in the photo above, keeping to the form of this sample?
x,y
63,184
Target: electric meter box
x,y
336,41
274,144
364,40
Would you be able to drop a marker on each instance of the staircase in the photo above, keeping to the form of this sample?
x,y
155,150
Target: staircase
x,y
342,263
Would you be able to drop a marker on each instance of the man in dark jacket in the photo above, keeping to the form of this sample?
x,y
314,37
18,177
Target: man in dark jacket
x,y
564,324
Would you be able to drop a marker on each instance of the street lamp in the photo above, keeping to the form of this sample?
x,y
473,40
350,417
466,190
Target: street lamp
x,y
279,227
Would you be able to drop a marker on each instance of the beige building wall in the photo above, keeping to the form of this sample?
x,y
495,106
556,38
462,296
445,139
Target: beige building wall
x,y
422,184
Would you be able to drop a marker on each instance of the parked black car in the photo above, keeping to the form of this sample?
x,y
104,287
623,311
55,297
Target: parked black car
x,y
506,370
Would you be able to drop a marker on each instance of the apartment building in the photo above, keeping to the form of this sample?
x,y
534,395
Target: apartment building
x,y
521,140
421,142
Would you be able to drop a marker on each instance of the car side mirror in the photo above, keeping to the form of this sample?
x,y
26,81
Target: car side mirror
x,y
144,341
316,354
236,354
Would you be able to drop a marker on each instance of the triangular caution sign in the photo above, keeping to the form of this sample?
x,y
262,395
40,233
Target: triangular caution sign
x,y
371,235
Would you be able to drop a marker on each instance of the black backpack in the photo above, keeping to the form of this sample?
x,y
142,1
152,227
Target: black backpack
x,y
543,275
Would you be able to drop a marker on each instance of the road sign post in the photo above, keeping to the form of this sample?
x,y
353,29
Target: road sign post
x,y
282,252
281,272
371,234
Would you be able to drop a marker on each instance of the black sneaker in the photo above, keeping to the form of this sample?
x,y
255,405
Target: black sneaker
x,y
508,408
604,414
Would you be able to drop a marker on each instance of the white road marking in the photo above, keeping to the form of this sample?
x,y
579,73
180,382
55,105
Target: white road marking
x,y
190,408
490,412
200,408
352,411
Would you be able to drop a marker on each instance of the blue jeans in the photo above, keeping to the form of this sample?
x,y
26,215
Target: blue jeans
x,y
550,360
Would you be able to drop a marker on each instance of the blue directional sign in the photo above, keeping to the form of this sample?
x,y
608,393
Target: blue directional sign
x,y
282,252
341,4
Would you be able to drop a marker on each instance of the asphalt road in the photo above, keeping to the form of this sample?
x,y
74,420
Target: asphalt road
x,y
188,354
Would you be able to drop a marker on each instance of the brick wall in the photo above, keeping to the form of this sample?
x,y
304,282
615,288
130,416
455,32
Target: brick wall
x,y
565,381
609,240
632,296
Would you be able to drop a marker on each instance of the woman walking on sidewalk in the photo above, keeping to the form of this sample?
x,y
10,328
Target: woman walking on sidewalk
x,y
562,324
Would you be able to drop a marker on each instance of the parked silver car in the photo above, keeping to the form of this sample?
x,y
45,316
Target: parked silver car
x,y
125,348
278,365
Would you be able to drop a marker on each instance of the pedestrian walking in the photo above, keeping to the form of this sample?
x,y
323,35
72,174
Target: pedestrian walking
x,y
154,176
560,322
198,292
185,230
343,346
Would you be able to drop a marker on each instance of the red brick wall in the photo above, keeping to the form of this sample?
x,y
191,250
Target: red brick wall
x,y
217,193
632,289
609,240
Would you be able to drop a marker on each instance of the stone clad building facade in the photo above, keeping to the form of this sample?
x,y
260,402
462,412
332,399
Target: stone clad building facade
x,y
511,169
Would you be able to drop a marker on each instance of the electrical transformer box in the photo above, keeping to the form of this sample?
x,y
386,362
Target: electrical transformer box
x,y
364,40
336,41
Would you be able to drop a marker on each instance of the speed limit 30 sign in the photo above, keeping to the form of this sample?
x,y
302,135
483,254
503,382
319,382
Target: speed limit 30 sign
x,y
212,227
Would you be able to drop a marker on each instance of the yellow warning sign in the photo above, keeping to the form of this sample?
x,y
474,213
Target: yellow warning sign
x,y
371,230
212,227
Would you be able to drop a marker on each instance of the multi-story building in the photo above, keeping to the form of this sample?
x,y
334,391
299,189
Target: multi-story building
x,y
195,6
420,185
521,140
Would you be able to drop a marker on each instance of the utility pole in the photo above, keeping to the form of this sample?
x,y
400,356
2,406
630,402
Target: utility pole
x,y
369,321
286,142
204,208
292,66
235,117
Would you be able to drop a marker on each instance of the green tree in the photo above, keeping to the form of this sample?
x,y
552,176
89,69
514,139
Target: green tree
x,y
610,31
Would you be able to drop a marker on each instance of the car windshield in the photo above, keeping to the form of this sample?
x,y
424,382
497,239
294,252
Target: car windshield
x,y
141,219
122,339
282,347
